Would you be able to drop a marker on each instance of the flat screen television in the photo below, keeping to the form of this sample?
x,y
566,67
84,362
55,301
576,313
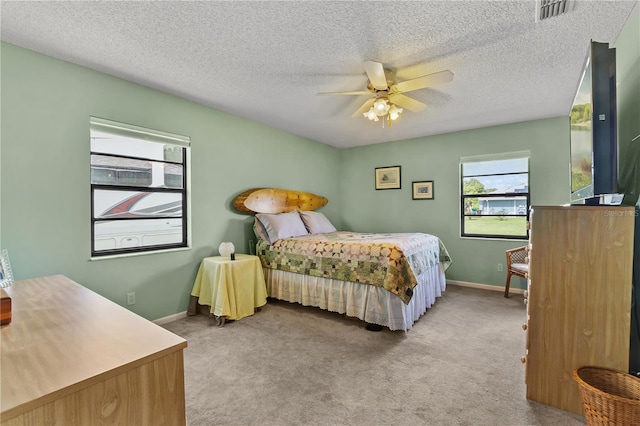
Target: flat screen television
x,y
594,151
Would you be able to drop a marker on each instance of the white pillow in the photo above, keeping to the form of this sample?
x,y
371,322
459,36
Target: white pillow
x,y
316,222
258,229
283,225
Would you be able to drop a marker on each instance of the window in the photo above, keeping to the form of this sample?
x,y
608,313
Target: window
x,y
494,199
138,189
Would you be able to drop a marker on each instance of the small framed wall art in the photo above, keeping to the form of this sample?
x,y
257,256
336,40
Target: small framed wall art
x,y
388,177
423,190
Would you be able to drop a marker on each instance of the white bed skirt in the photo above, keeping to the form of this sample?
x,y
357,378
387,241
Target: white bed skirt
x,y
372,304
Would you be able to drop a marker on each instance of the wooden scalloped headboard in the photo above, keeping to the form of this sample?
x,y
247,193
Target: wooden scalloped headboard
x,y
276,200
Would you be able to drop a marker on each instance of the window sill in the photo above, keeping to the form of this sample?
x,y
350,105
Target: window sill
x,y
141,253
466,237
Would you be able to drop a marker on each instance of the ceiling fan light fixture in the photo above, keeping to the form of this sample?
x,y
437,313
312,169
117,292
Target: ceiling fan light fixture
x,y
371,114
394,112
381,107
387,94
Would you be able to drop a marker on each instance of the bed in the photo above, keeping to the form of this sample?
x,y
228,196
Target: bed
x,y
384,279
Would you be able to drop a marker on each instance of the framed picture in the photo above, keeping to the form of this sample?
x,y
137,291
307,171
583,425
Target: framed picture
x,y
388,177
423,190
6,276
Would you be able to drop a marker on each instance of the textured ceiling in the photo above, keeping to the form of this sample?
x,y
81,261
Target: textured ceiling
x,y
267,60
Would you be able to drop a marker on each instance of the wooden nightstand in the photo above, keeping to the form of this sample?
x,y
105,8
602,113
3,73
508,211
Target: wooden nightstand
x,y
232,288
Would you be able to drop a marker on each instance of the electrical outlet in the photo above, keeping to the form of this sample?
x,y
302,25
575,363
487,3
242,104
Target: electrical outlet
x,y
131,299
499,267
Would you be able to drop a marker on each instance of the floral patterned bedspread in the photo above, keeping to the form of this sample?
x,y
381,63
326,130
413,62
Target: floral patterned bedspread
x,y
388,260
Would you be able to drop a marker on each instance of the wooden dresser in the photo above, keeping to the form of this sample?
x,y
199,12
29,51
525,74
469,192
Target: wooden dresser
x,y
579,297
72,357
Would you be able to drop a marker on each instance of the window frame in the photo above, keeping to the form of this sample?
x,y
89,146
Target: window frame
x,y
148,135
527,196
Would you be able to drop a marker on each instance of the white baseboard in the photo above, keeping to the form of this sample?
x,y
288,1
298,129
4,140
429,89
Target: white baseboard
x,y
170,318
485,286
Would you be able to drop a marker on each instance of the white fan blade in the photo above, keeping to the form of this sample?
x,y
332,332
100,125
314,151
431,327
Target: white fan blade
x,y
406,102
375,72
364,108
358,92
424,81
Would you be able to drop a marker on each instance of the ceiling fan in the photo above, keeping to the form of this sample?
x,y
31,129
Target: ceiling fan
x,y
389,95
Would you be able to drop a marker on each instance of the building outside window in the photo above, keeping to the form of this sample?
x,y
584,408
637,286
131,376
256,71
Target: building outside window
x,y
139,183
494,201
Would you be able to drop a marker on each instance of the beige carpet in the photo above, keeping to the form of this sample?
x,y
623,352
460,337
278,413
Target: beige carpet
x,y
295,365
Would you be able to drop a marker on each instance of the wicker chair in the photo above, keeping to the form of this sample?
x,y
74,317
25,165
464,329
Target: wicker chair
x,y
516,265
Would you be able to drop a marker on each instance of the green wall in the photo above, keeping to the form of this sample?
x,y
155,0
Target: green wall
x,y
45,216
437,158
44,175
628,97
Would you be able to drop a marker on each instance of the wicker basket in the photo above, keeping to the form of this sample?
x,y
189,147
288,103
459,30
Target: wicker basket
x,y
609,397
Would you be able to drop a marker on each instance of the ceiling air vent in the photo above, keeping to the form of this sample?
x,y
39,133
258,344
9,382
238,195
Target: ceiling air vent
x,y
546,9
